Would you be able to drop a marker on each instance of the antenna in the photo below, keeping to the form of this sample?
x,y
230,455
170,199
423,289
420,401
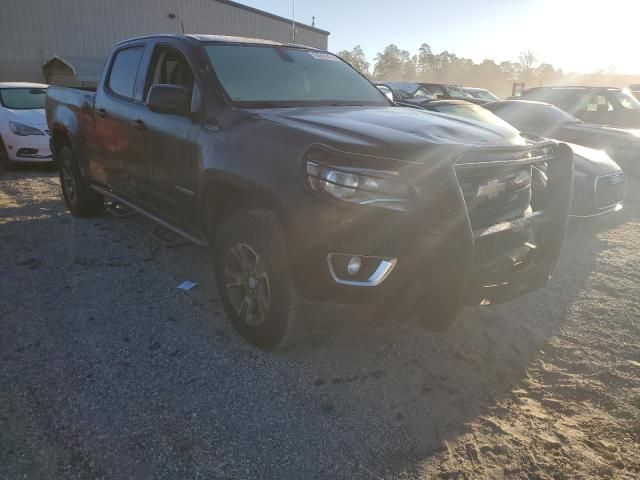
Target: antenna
x,y
293,21
313,21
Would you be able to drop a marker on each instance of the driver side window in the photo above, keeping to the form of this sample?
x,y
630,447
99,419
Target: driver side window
x,y
169,66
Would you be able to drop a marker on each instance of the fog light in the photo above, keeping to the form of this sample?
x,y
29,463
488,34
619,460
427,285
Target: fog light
x,y
354,265
359,270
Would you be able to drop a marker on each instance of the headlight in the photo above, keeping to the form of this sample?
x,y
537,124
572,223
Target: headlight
x,y
362,186
24,130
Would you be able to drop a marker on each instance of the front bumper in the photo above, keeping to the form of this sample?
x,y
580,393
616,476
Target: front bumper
x,y
438,251
31,148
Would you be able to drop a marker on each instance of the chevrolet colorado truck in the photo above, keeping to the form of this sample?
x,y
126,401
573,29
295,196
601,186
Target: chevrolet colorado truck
x,y
308,183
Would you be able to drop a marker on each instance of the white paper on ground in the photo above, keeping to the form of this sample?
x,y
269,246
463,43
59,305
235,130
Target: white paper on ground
x,y
187,285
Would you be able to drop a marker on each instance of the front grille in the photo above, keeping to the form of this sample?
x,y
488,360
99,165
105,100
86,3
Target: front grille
x,y
497,198
497,184
610,189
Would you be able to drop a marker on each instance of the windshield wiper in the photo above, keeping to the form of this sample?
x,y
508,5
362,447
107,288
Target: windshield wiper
x,y
346,104
266,105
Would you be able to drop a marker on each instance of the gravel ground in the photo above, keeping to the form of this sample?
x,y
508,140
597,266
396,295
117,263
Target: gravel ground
x,y
108,371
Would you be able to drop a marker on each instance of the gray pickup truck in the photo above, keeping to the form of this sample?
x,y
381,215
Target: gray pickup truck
x,y
307,182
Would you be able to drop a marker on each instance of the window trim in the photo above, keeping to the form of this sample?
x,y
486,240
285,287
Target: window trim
x,y
107,87
150,64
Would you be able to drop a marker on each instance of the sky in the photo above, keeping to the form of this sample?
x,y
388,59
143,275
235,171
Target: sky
x,y
575,35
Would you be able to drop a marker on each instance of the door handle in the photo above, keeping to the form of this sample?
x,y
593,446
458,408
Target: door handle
x,y
138,124
102,113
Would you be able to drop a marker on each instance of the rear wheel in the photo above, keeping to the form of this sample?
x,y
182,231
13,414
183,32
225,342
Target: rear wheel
x,y
81,200
253,279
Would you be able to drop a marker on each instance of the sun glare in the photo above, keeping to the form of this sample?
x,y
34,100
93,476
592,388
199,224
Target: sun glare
x,y
585,36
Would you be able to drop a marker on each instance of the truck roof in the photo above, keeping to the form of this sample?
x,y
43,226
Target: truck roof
x,y
218,38
574,87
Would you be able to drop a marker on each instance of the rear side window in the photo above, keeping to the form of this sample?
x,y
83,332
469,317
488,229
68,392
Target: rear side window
x,y
124,69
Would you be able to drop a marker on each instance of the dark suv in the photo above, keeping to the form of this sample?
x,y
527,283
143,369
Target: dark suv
x,y
605,106
307,182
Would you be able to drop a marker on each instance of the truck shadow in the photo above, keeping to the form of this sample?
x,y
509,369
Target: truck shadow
x,y
384,397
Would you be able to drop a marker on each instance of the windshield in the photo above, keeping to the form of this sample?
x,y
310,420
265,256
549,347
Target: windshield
x,y
265,75
483,95
626,100
457,92
23,98
474,112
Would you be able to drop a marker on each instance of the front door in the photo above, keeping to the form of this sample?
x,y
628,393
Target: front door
x,y
171,142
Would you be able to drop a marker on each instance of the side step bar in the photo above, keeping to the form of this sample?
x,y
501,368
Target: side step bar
x,y
197,240
118,210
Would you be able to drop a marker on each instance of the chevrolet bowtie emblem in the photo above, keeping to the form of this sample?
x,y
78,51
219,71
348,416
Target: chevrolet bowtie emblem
x,y
492,189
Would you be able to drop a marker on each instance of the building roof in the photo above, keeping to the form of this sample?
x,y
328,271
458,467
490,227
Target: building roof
x,y
271,15
22,85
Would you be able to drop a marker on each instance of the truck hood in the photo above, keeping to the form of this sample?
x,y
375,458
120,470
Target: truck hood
x,y
392,132
34,118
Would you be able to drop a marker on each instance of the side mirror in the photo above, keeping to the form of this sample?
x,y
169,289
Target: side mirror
x,y
169,99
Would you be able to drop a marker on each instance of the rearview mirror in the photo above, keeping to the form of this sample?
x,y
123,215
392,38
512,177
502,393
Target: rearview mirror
x,y
169,99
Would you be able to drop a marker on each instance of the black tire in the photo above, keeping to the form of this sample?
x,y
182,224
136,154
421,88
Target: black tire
x,y
5,164
81,200
251,267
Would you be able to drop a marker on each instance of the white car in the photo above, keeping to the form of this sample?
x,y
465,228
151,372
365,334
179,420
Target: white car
x,y
24,135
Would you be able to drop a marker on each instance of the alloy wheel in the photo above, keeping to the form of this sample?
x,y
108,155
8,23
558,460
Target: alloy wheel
x,y
247,284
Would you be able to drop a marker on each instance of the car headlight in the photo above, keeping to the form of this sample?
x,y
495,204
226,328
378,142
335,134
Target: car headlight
x,y
362,186
24,130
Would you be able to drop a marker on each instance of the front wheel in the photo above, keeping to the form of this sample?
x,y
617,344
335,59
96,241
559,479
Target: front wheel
x,y
253,279
81,200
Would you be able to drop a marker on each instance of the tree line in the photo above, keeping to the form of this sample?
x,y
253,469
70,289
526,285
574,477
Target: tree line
x,y
426,66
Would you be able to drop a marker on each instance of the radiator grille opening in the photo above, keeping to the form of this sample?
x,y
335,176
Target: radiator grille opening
x,y
497,186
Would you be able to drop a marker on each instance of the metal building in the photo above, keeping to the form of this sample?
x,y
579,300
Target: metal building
x,y
66,41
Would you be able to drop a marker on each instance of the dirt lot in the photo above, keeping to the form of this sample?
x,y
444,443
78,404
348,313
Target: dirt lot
x,y
108,371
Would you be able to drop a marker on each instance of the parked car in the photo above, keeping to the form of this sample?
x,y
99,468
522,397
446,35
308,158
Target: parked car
x,y
598,182
481,94
405,94
442,91
307,182
24,135
604,106
635,90
546,120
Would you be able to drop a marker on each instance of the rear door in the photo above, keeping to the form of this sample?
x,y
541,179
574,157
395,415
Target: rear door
x,y
171,141
118,107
